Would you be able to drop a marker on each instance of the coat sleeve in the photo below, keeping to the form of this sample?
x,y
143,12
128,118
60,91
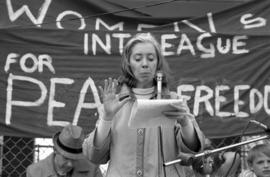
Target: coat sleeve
x,y
97,155
180,143
178,133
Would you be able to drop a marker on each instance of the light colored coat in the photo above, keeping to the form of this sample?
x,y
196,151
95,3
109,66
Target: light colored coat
x,y
137,152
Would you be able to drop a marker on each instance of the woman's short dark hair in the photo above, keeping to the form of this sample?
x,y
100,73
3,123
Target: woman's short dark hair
x,y
162,65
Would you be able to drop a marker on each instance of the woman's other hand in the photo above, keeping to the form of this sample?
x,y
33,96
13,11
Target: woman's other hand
x,y
180,112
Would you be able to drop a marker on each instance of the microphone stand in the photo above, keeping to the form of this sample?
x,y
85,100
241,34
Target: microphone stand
x,y
159,76
208,152
159,85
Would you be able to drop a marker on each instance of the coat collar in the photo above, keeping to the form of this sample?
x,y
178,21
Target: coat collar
x,y
125,91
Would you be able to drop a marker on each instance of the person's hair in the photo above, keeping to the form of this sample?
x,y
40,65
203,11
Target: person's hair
x,y
256,151
198,163
128,77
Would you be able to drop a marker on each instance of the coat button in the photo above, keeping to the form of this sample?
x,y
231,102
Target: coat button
x,y
139,172
140,131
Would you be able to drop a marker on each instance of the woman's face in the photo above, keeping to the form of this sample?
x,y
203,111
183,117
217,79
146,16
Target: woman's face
x,y
143,63
261,166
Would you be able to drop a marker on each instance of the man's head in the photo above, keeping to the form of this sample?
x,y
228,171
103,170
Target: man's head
x,y
68,147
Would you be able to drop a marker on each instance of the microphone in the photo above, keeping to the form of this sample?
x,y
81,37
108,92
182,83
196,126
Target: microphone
x,y
159,84
265,127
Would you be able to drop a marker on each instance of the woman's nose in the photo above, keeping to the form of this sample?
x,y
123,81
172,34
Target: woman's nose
x,y
267,165
144,62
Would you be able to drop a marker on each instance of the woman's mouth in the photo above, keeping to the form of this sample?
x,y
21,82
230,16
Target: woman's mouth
x,y
145,74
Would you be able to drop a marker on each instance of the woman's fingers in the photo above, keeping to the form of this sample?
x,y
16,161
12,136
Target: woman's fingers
x,y
105,85
183,118
177,115
110,85
101,91
182,107
114,85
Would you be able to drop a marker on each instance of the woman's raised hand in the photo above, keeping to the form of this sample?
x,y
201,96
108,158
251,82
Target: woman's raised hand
x,y
111,102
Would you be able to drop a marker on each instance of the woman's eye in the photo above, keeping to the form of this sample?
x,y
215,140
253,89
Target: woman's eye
x,y
260,162
137,57
151,57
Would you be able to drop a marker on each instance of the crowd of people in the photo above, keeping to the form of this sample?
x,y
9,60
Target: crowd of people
x,y
141,152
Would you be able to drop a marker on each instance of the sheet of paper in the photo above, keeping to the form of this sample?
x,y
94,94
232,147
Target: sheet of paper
x,y
148,113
